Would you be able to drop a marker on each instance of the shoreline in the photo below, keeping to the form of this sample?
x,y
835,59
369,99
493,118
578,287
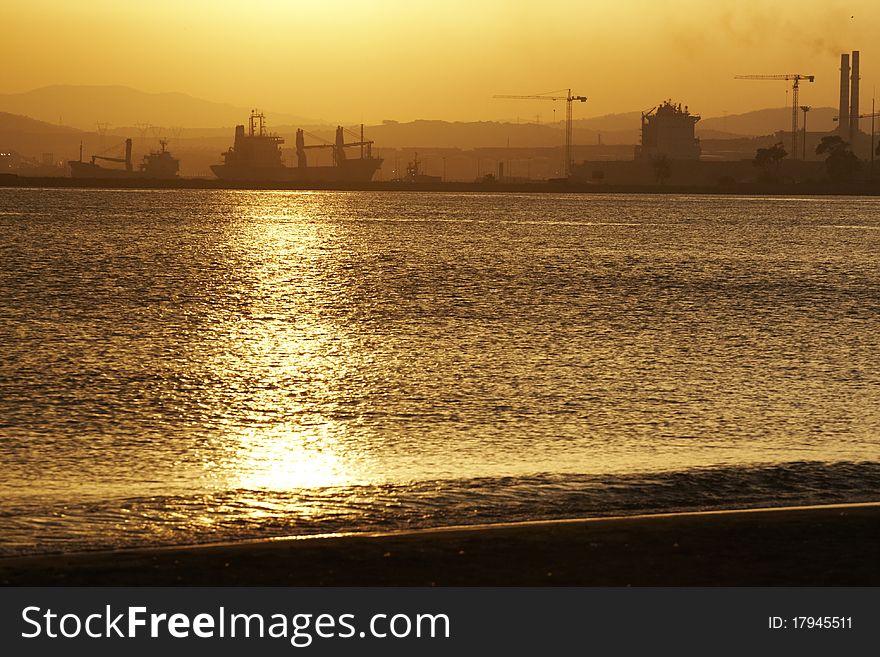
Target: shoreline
x,y
828,545
14,181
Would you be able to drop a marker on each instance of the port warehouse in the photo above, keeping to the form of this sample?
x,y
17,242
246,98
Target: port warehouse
x,y
691,172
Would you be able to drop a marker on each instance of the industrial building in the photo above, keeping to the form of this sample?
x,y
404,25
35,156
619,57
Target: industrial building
x,y
668,131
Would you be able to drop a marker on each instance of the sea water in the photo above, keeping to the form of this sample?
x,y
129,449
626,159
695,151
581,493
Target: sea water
x,y
186,366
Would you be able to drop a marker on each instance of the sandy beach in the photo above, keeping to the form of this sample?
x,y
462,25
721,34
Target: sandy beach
x,y
834,545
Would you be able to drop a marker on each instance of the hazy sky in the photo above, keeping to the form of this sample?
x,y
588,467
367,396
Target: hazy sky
x,y
391,59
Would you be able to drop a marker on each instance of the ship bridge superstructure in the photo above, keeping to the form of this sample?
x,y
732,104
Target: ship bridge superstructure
x,y
257,146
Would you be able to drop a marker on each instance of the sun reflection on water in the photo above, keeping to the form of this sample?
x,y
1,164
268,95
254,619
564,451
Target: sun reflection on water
x,y
286,457
289,354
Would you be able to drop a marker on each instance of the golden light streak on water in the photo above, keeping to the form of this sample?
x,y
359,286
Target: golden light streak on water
x,y
287,457
294,356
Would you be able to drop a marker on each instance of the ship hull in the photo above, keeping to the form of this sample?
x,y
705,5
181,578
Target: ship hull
x,y
94,172
357,170
89,170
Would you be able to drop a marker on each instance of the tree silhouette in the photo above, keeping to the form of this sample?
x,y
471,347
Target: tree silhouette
x,y
768,160
766,157
841,163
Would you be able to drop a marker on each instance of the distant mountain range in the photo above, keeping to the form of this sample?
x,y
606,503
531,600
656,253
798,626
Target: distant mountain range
x,y
769,121
749,124
610,129
16,123
200,130
84,107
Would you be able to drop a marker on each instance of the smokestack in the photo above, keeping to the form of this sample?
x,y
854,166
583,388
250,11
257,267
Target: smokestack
x,y
843,112
128,154
854,98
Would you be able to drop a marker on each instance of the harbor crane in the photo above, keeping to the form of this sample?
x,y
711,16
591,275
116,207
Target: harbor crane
x,y
569,99
107,158
338,147
795,79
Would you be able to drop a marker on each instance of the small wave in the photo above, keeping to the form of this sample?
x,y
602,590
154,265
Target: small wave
x,y
248,514
850,226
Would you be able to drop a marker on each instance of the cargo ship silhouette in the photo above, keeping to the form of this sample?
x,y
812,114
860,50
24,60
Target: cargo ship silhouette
x,y
256,156
155,165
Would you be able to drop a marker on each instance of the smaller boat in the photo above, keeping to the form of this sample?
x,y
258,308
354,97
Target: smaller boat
x,y
415,175
156,164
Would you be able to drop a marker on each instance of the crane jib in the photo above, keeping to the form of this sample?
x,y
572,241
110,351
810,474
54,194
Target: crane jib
x,y
568,98
795,79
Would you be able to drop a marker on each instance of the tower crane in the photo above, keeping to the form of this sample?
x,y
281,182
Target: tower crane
x,y
795,80
569,99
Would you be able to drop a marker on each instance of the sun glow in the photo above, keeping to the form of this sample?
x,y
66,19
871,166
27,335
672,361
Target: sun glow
x,y
289,457
346,61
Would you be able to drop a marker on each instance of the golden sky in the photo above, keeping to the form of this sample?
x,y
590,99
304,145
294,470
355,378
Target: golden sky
x,y
368,60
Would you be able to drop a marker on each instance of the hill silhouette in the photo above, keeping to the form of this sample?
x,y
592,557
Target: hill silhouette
x,y
769,121
84,106
748,124
17,123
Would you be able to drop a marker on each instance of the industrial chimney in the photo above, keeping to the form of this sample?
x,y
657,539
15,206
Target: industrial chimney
x,y
843,113
854,98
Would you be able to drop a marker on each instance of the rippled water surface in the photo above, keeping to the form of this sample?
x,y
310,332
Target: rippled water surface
x,y
184,366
